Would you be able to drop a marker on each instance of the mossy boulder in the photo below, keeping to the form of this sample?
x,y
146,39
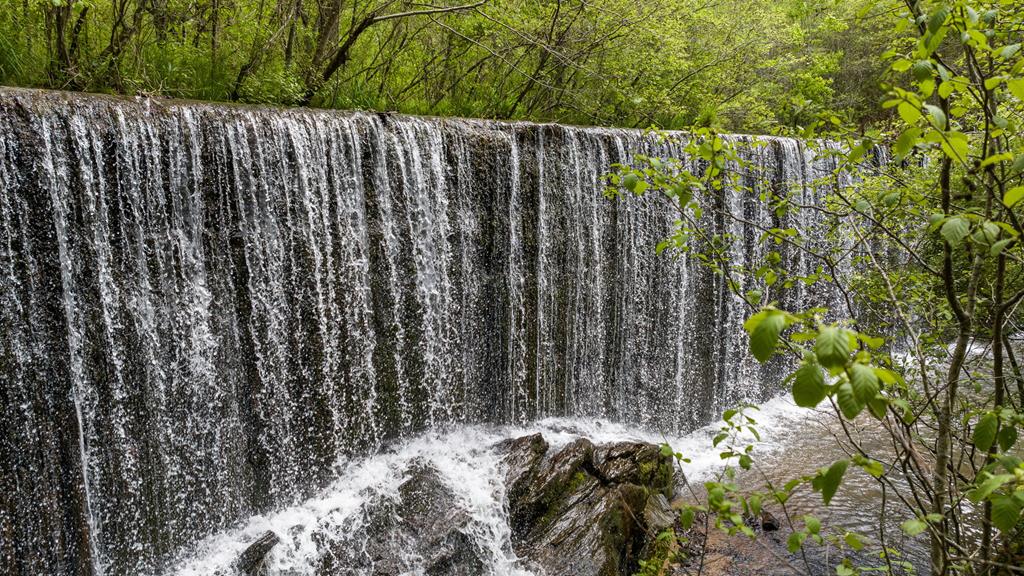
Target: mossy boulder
x,y
584,509
635,463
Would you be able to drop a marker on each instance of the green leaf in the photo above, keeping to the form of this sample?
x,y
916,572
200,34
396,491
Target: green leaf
x,y
751,322
808,386
853,541
856,153
831,480
813,524
745,461
985,432
832,347
937,19
1018,165
686,517
908,112
872,342
955,146
995,159
864,383
989,486
922,70
937,115
906,141
1005,512
914,527
629,181
795,541
872,467
847,400
765,336
999,246
888,376
986,233
1007,437
955,230
978,37
1013,196
683,196
1008,51
877,407
901,65
1016,87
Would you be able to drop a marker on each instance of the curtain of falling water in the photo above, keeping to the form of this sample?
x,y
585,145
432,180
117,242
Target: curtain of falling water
x,y
203,307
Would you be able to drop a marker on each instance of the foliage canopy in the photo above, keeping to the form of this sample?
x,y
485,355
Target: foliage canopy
x,y
742,65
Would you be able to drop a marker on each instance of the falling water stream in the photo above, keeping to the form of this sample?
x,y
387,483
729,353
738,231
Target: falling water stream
x,y
211,314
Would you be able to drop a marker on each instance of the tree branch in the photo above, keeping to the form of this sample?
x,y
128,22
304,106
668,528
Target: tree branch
x,y
340,57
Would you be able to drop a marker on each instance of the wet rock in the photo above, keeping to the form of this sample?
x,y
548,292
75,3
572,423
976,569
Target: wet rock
x,y
658,513
429,514
563,475
596,534
522,459
424,532
635,462
586,510
768,521
251,561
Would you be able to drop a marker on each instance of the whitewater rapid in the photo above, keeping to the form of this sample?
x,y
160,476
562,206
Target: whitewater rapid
x,y
472,469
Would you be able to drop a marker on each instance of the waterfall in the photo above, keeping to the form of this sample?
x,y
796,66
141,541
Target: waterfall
x,y
204,307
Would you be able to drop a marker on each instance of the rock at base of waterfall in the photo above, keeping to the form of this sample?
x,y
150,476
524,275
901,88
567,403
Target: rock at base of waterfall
x,y
522,458
440,528
422,531
635,463
251,561
582,510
